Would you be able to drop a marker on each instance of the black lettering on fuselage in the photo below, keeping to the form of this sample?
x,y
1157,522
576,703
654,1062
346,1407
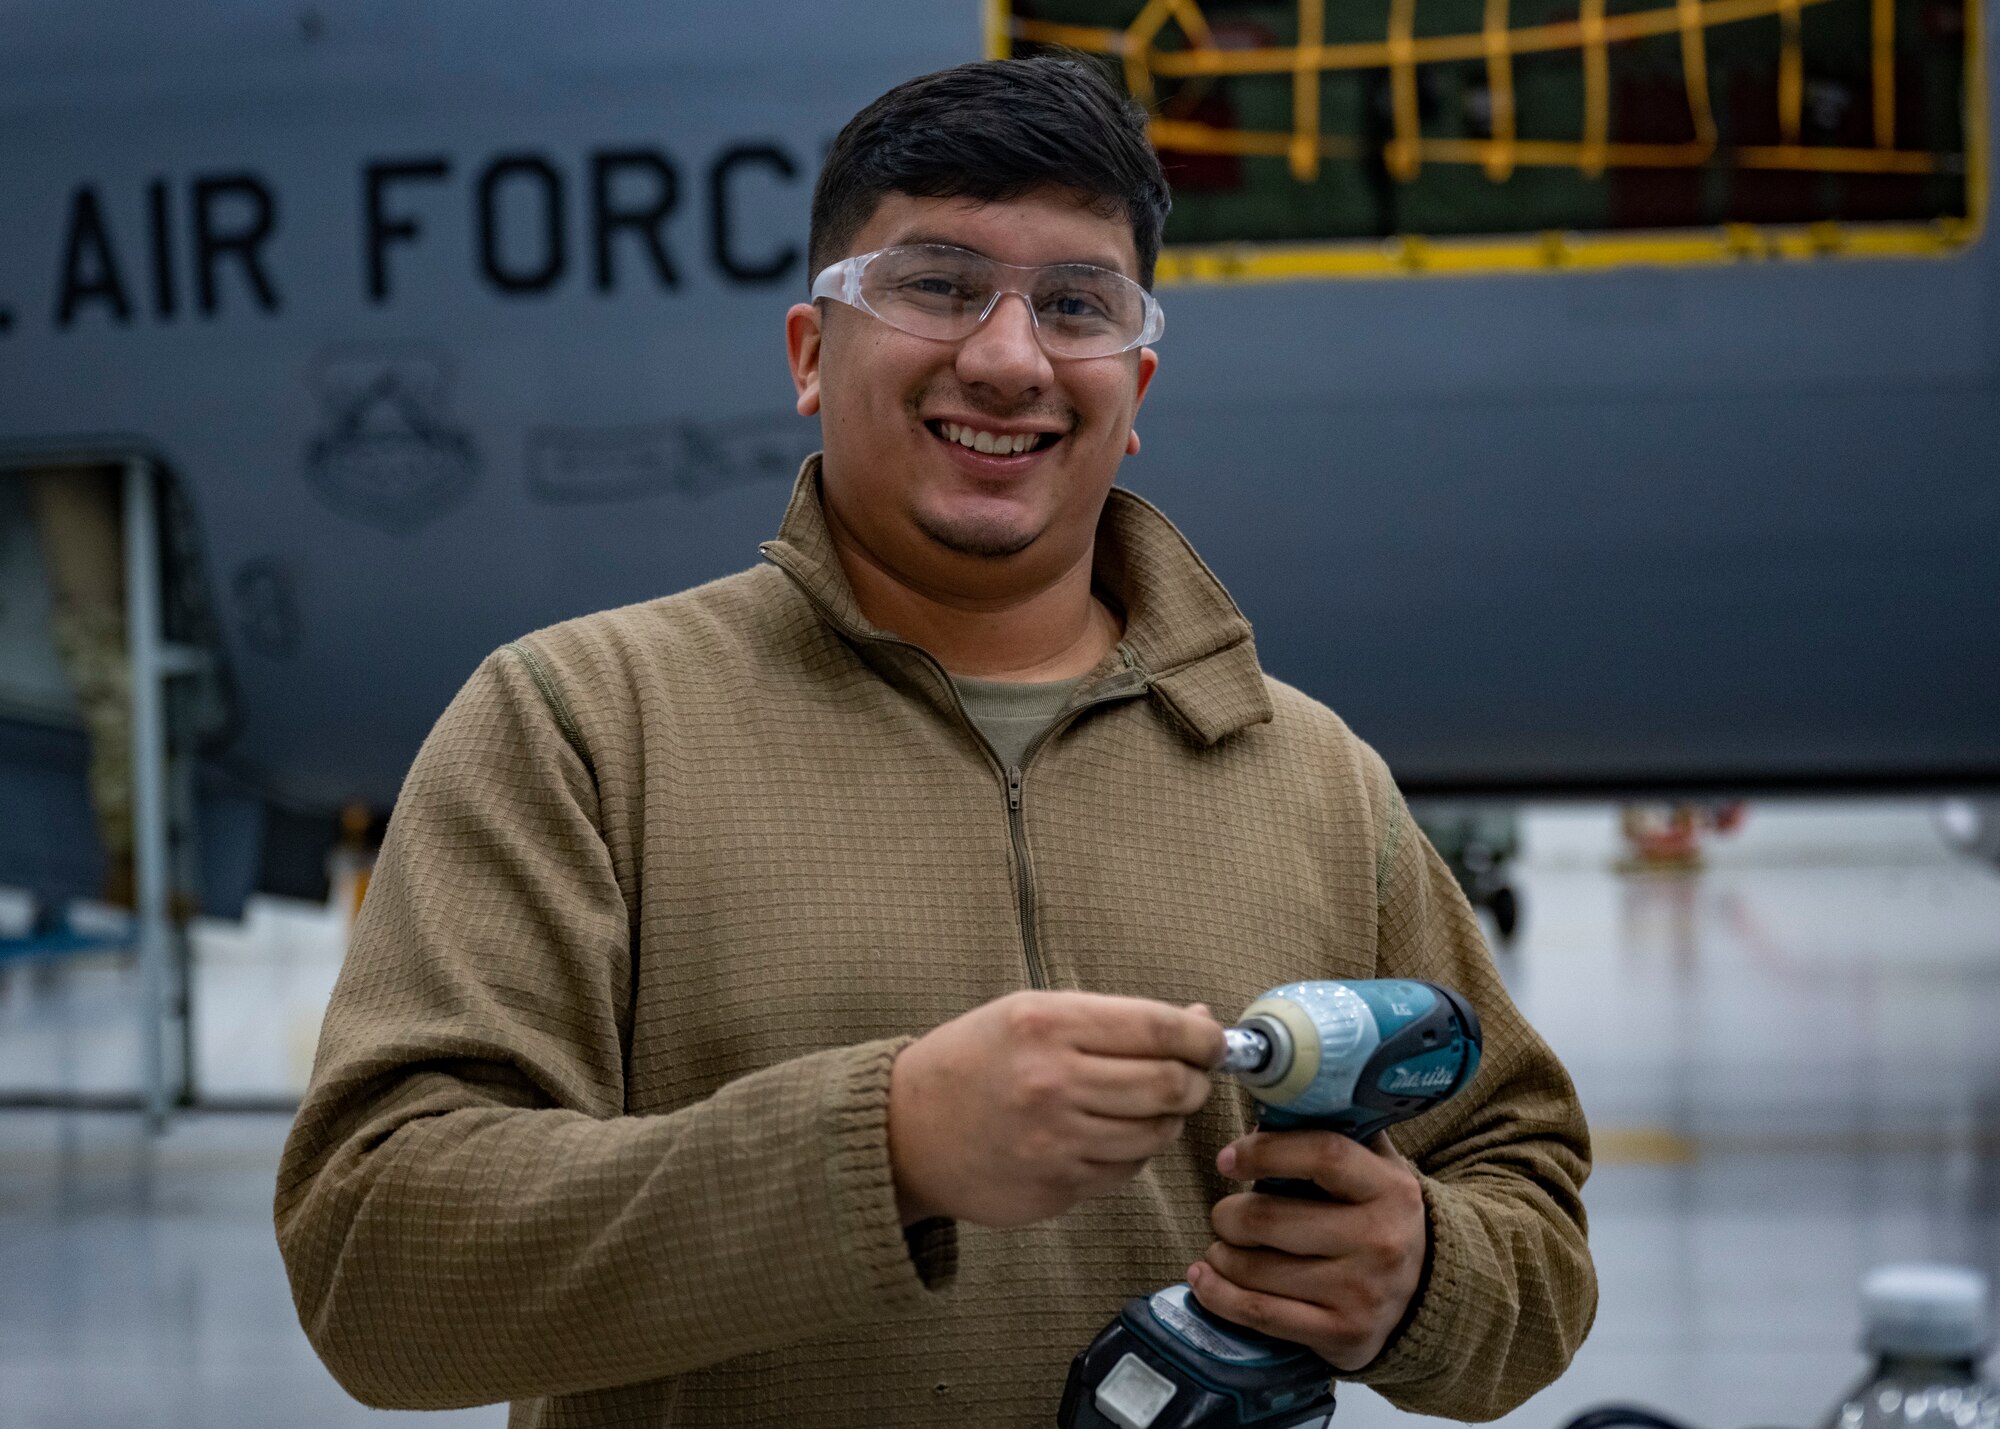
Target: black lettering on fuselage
x,y
773,267
538,176
160,235
258,211
382,229
520,213
608,216
89,265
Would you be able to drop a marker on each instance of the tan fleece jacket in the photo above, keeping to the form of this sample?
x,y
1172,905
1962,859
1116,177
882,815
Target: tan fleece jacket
x,y
598,1119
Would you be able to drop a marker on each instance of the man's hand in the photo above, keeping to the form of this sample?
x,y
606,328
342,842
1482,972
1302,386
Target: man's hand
x,y
1336,1278
1023,1107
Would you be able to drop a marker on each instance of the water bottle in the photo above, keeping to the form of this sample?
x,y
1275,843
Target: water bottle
x,y
1926,1326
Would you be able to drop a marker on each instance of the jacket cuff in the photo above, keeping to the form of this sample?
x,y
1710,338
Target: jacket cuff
x,y
1422,1347
933,1247
897,1267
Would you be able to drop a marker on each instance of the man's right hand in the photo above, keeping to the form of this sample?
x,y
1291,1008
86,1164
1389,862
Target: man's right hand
x,y
1022,1107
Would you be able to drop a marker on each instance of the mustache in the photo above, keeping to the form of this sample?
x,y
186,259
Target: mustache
x,y
961,399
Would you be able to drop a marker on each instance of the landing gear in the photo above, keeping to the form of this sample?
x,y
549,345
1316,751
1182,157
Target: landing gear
x,y
1506,906
1478,842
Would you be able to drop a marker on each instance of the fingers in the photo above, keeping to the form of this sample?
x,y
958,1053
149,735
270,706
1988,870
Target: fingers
x,y
1346,1324
1251,1220
1282,1316
1139,1086
1140,1027
1071,1137
1273,1272
1344,1168
1100,1140
1108,1141
1097,1177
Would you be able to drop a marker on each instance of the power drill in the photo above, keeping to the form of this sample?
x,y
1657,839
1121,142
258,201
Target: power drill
x,y
1351,1057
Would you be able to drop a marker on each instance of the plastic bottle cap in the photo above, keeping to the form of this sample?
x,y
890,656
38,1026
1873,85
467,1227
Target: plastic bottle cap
x,y
1932,1310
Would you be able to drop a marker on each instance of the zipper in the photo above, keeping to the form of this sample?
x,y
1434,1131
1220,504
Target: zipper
x,y
1113,689
1031,950
1012,775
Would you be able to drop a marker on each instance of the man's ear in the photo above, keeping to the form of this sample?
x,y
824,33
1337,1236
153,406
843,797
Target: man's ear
x,y
1149,363
802,347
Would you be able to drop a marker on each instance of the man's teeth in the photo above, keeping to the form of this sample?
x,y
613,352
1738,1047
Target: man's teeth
x,y
997,443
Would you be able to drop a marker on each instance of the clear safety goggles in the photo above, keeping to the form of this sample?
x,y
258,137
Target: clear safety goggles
x,y
937,291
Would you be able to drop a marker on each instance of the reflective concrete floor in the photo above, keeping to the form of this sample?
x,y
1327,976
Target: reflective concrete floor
x,y
1788,1061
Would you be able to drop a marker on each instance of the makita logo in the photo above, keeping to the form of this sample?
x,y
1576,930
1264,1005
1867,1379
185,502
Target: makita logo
x,y
1402,1079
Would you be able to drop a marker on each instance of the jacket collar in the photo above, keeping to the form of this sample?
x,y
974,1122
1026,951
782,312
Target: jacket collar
x,y
1183,634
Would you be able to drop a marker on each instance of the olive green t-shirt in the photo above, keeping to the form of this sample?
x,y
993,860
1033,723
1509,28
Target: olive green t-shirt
x,y
1012,715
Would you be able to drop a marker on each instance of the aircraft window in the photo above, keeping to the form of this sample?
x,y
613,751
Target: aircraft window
x,y
1376,137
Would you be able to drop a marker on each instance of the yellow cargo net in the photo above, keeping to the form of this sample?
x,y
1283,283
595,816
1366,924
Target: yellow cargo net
x,y
1401,51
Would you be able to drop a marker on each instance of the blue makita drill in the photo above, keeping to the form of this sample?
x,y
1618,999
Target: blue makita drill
x,y
1351,1057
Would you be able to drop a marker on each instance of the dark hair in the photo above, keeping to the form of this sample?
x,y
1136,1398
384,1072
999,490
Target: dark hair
x,y
992,131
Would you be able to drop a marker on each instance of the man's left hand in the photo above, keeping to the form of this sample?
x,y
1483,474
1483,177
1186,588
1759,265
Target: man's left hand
x,y
1336,1277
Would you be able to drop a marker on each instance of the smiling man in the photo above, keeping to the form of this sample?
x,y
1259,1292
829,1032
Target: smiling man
x,y
786,1002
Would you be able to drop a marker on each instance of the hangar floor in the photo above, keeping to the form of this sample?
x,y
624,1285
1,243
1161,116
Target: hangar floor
x,y
1788,1061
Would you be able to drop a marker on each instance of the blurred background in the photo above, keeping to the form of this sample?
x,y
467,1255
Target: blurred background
x,y
1597,402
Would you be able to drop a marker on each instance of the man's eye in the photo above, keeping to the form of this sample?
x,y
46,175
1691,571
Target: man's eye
x,y
936,287
1072,305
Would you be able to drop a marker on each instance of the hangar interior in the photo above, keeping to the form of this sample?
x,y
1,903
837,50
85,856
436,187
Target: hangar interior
x,y
1785,1057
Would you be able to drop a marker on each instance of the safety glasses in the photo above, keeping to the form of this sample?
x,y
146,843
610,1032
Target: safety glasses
x,y
937,291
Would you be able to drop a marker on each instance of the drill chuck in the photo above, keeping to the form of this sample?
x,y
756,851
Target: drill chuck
x,y
1245,1050
1248,1051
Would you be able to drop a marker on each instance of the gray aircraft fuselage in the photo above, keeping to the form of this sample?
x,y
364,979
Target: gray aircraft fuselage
x,y
455,320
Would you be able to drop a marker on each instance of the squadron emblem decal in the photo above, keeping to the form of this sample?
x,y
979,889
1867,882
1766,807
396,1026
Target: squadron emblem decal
x,y
389,455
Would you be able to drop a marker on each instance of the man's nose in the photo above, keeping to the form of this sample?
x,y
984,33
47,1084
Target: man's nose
x,y
1002,352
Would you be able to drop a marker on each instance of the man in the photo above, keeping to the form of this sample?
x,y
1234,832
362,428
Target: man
x,y
786,1002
